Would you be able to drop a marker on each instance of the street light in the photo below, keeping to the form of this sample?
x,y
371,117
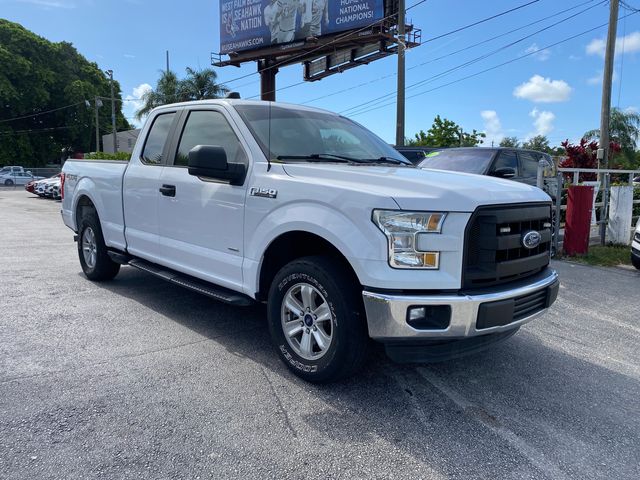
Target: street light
x,y
113,112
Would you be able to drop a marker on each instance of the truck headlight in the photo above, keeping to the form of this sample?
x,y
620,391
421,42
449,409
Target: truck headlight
x,y
401,229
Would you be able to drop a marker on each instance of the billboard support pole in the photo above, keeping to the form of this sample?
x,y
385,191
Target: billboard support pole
x,y
400,114
267,80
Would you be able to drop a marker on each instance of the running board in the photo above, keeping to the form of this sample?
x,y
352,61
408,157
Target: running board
x,y
213,291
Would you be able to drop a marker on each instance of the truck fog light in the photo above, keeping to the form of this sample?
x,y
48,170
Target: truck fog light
x,y
429,317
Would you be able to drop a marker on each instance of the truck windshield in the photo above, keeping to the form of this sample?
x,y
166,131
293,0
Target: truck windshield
x,y
299,135
468,161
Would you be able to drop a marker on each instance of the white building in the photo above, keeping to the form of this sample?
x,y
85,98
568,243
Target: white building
x,y
126,141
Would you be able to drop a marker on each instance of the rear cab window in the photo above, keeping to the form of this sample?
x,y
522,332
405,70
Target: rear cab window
x,y
154,146
529,163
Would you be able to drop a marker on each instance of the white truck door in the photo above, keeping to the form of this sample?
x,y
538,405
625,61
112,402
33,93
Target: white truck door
x,y
201,220
141,189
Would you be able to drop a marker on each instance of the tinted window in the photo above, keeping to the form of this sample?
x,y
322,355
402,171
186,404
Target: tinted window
x,y
469,161
154,146
415,156
529,163
209,128
506,160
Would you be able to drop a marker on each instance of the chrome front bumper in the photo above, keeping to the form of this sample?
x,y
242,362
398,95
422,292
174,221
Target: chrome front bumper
x,y
387,312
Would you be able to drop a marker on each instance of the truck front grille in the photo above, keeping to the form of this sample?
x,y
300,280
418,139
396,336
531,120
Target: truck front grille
x,y
494,247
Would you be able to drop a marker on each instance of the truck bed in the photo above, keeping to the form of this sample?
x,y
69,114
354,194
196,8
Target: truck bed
x,y
101,182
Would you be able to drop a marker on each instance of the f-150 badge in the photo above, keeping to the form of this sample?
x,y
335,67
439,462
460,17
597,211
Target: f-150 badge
x,y
263,192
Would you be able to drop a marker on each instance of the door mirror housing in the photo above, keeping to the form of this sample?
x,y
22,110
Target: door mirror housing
x,y
210,161
505,172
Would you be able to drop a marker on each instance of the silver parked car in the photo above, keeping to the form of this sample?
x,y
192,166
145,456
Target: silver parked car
x,y
10,179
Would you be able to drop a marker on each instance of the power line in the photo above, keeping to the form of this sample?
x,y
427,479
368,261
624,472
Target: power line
x,y
42,113
35,130
471,62
448,55
480,22
490,68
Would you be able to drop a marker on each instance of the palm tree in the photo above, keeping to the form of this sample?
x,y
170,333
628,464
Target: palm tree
x,y
198,85
624,129
201,85
167,91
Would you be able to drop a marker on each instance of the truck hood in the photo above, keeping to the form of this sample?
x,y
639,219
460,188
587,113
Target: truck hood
x,y
418,189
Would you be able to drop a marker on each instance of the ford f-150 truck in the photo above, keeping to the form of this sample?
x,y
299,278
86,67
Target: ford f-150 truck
x,y
309,212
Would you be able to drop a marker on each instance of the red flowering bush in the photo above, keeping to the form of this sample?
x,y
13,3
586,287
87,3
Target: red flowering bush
x,y
584,155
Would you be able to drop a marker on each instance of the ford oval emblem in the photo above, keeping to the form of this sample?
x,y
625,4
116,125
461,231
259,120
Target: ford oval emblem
x,y
531,239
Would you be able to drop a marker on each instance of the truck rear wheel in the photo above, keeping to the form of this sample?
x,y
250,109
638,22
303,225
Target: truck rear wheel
x,y
635,261
316,319
92,251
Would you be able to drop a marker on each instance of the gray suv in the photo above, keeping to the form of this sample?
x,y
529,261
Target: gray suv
x,y
513,163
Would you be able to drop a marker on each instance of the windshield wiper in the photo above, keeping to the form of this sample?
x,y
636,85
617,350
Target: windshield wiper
x,y
394,161
320,157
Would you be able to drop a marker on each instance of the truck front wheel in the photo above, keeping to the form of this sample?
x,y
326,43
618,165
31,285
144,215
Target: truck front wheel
x,y
316,319
94,259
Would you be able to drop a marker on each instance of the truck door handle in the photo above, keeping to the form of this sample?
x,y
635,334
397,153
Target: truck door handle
x,y
168,190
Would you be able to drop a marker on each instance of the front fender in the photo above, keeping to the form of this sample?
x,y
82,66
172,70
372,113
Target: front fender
x,y
358,240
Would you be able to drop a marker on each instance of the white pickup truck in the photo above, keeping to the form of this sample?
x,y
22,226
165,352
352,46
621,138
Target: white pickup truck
x,y
311,213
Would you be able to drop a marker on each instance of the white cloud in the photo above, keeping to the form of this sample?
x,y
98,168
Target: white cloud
x,y
542,122
133,102
543,90
492,126
128,55
631,109
542,55
627,44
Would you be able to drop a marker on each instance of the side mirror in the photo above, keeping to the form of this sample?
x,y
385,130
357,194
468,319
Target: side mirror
x,y
505,172
210,161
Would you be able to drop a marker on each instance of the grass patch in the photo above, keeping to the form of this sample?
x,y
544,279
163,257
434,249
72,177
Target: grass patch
x,y
608,256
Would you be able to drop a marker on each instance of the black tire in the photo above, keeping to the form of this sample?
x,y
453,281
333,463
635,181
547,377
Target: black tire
x,y
635,261
102,268
347,350
8,183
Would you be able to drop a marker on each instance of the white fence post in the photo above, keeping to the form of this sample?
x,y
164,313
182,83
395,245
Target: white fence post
x,y
620,215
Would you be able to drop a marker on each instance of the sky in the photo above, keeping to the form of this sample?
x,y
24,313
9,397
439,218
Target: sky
x,y
552,91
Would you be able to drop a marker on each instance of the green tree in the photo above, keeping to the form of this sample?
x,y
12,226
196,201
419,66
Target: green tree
x,y
539,143
624,129
38,76
510,142
446,133
201,85
197,85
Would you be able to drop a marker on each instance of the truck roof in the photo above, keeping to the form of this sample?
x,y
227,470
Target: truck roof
x,y
233,102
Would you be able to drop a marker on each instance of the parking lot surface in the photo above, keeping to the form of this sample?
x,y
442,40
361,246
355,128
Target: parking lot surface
x,y
137,378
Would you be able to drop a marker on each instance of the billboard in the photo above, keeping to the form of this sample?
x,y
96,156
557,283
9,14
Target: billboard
x,y
254,24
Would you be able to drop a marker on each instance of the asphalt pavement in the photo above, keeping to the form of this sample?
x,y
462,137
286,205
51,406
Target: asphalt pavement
x,y
139,379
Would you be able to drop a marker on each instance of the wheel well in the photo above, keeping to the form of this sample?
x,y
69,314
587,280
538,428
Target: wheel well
x,y
293,245
84,204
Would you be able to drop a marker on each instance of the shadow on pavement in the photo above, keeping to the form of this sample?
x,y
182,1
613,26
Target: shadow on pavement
x,y
521,409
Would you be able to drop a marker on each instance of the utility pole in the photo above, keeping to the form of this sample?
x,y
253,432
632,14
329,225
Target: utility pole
x,y
113,113
167,61
98,105
605,114
400,113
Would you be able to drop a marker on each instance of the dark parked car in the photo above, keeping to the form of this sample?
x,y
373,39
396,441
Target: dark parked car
x,y
512,163
416,154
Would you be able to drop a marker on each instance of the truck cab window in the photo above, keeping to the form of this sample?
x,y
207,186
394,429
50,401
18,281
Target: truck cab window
x,y
154,146
208,128
506,159
529,163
